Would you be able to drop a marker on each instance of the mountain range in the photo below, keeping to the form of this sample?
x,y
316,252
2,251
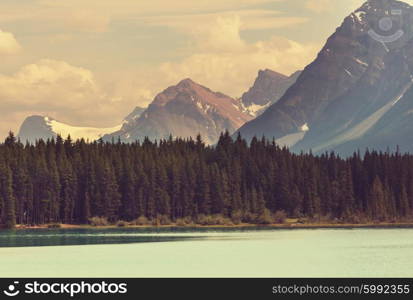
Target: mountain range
x,y
357,93
184,110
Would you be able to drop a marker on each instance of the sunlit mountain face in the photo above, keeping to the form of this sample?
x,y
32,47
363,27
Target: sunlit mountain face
x,y
186,110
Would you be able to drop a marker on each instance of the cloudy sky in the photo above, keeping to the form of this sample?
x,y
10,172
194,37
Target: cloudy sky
x,y
90,62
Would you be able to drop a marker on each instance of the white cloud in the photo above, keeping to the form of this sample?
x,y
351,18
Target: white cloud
x,y
8,43
46,80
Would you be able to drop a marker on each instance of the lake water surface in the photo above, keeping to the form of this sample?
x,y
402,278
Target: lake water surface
x,y
172,252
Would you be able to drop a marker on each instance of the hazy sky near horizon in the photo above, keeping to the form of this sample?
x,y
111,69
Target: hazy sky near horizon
x,y
90,62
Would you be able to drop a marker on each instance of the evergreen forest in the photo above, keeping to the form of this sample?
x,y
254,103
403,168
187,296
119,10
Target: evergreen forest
x,y
184,181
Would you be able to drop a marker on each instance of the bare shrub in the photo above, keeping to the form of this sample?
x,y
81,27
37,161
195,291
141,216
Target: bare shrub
x,y
280,217
98,221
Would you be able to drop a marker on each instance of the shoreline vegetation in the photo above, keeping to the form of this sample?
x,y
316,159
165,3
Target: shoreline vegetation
x,y
287,223
241,226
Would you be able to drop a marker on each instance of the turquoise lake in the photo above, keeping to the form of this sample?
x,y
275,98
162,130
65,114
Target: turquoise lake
x,y
187,252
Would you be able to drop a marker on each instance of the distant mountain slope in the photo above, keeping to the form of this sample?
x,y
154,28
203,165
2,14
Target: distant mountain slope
x,y
185,110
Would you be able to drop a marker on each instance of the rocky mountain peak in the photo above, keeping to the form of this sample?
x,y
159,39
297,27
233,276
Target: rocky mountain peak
x,y
186,83
268,88
186,90
135,114
271,74
186,110
384,17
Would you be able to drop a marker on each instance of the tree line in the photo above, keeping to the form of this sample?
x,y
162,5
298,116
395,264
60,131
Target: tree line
x,y
184,180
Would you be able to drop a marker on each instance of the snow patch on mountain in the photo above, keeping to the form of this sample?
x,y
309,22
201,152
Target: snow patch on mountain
x,y
291,139
305,127
255,109
359,16
348,73
75,132
361,62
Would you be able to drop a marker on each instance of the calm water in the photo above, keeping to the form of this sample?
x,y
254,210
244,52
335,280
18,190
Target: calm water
x,y
206,253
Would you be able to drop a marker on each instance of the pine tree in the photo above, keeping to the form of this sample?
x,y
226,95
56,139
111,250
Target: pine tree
x,y
404,202
346,201
202,191
218,191
110,194
376,200
127,188
8,198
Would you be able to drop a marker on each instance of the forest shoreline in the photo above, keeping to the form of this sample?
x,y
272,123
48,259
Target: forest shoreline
x,y
240,226
187,183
